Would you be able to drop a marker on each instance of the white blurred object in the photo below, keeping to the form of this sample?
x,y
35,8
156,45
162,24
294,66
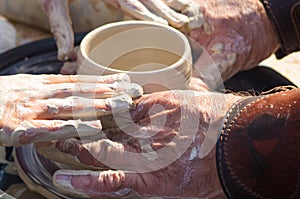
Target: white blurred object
x,y
8,36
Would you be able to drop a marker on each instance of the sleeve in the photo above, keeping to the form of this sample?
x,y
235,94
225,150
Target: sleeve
x,y
257,154
285,17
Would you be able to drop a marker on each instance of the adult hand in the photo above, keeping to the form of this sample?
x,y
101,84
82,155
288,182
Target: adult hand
x,y
166,150
42,107
235,35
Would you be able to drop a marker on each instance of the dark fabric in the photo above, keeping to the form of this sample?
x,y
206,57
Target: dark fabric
x,y
284,15
256,81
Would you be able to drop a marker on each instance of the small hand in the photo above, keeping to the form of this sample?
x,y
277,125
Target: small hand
x,y
166,150
44,107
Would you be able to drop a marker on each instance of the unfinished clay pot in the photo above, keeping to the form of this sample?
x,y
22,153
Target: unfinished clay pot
x,y
156,56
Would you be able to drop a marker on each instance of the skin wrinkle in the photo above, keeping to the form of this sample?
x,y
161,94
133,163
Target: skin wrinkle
x,y
235,36
230,60
176,19
206,171
46,106
63,32
182,175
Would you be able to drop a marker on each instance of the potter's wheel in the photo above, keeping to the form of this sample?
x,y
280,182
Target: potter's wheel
x,y
40,57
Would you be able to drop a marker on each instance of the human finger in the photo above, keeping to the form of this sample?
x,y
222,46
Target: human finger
x,y
177,4
106,79
99,154
135,153
174,18
29,131
96,184
57,79
70,152
38,82
137,10
80,107
104,153
70,67
61,25
92,90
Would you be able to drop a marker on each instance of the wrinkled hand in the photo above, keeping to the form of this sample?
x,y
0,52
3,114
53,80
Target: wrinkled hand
x,y
45,107
236,34
166,150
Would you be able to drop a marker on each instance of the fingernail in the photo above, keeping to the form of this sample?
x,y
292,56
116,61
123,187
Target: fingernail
x,y
119,103
88,128
62,179
120,77
132,89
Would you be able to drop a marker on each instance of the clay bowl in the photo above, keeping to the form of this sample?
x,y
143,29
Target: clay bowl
x,y
156,56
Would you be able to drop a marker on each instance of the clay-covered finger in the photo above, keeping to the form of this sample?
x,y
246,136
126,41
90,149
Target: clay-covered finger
x,y
92,90
46,130
111,183
61,25
161,9
98,184
70,152
106,79
80,107
99,154
137,10
177,4
69,68
40,82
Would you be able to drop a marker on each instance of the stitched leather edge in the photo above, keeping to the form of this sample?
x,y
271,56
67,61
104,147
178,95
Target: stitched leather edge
x,y
229,118
234,187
